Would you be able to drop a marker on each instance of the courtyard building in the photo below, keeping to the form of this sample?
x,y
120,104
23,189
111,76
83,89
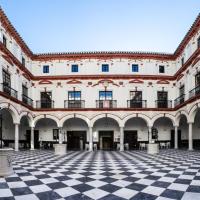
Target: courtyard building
x,y
99,100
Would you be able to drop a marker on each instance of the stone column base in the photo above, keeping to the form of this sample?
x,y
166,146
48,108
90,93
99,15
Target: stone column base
x,y
152,148
60,149
6,168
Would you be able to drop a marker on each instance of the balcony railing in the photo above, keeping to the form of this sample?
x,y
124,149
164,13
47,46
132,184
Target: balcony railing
x,y
8,90
74,104
179,100
163,104
45,104
106,104
194,92
136,104
27,100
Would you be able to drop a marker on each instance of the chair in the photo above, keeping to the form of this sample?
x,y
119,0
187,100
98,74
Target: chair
x,y
118,146
126,146
142,146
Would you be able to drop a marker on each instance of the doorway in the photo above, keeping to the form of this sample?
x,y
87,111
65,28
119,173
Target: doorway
x,y
36,139
76,140
179,139
106,140
131,138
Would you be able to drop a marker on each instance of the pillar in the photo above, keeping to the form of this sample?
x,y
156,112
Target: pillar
x,y
32,138
90,139
150,133
190,138
121,138
60,135
176,137
16,137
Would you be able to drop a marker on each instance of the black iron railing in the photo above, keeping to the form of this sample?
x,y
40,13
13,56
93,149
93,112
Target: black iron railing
x,y
194,92
45,104
136,104
8,90
27,100
106,104
179,100
74,104
163,104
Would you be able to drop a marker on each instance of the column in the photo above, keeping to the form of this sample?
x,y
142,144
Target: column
x,y
176,137
16,137
121,138
90,139
190,137
60,135
32,138
150,133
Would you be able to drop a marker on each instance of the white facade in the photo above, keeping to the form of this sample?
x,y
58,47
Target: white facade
x,y
90,80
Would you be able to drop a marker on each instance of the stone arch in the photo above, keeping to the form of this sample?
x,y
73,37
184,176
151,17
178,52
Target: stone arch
x,y
179,115
193,112
166,115
28,116
107,115
37,118
12,110
65,118
142,116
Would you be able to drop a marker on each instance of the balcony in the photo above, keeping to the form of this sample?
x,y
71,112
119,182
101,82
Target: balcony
x,y
179,100
136,104
194,92
8,90
45,104
27,100
75,104
106,104
163,104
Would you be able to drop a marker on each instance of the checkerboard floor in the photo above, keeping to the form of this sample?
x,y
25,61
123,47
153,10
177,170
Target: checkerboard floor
x,y
173,174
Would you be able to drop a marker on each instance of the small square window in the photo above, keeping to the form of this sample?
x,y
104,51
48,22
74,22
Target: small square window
x,y
105,68
46,69
23,62
161,69
4,41
182,61
74,68
198,42
135,68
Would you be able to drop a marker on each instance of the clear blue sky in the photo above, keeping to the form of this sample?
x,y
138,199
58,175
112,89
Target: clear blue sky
x,y
102,25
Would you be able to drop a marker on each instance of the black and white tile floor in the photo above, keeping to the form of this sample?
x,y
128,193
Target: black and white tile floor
x,y
104,175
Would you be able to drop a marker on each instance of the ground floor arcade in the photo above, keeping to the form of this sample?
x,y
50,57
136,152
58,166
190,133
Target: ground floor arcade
x,y
104,133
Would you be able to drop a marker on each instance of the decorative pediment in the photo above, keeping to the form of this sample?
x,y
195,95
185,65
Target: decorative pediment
x,y
45,82
8,59
105,82
136,81
162,82
196,60
74,82
179,77
26,76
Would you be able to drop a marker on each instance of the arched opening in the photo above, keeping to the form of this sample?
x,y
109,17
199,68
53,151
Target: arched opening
x,y
106,133
196,130
8,129
164,132
75,133
24,133
182,136
46,130
135,132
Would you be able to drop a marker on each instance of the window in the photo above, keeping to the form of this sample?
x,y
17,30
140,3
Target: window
x,y
135,68
74,95
198,42
136,95
6,78
55,134
4,41
46,101
162,99
182,61
197,80
105,68
23,62
46,69
74,68
161,69
182,90
24,90
105,95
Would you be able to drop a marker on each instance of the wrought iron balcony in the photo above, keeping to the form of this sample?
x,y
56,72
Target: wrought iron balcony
x,y
163,104
194,92
74,104
27,100
106,104
179,100
45,104
8,90
136,103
